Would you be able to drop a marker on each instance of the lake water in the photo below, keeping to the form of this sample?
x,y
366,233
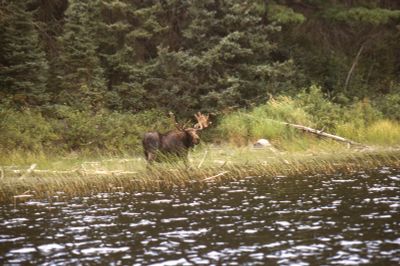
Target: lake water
x,y
318,220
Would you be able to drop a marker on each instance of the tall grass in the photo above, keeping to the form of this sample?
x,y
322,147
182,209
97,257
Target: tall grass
x,y
242,127
360,122
79,152
382,132
229,163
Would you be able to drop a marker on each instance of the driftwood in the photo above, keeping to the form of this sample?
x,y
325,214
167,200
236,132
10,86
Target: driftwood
x,y
322,133
317,132
215,176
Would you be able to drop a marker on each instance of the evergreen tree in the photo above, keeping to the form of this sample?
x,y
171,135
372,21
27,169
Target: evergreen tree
x,y
23,66
224,60
129,35
349,47
81,78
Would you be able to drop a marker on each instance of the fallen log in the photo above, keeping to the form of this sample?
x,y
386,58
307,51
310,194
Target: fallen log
x,y
322,133
29,171
317,132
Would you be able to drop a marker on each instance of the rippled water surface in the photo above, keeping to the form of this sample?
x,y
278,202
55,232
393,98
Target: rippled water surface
x,y
318,220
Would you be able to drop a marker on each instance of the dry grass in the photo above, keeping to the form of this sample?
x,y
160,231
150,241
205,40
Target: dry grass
x,y
206,165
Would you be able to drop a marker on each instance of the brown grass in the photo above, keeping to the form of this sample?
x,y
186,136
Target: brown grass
x,y
132,175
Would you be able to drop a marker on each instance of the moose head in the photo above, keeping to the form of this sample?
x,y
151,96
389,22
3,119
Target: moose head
x,y
175,142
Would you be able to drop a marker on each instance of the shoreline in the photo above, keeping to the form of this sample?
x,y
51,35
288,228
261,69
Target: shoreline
x,y
22,184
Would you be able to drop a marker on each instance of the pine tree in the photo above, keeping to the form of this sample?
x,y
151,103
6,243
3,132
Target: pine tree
x,y
128,40
81,78
224,59
23,66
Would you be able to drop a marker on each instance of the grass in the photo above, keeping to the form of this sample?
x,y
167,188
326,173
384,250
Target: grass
x,y
43,174
76,175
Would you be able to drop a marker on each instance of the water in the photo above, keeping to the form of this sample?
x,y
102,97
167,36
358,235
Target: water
x,y
317,220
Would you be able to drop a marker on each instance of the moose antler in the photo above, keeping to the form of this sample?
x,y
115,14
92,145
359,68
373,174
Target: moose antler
x,y
202,121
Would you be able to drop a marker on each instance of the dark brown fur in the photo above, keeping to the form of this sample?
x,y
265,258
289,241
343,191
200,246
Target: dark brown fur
x,y
175,143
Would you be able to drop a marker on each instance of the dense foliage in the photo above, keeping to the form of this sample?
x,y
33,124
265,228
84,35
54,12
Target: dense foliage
x,y
89,73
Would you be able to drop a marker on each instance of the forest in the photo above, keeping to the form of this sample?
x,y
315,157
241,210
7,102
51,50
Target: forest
x,y
96,74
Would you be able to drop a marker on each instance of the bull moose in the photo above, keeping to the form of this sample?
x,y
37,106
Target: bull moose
x,y
175,143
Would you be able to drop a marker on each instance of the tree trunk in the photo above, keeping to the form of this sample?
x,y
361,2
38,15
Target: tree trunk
x,y
353,66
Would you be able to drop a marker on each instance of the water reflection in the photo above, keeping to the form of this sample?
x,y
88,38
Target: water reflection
x,y
336,219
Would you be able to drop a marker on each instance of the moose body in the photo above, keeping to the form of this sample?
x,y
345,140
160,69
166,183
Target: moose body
x,y
175,143
171,144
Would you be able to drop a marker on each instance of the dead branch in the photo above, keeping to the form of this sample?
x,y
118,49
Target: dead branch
x,y
353,66
215,176
29,171
323,134
317,132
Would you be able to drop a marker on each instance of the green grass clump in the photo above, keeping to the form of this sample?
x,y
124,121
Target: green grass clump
x,y
241,127
361,122
235,128
383,132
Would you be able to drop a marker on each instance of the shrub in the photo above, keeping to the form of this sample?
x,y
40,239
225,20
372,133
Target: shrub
x,y
104,130
285,109
24,130
66,129
389,105
361,114
262,122
235,128
324,114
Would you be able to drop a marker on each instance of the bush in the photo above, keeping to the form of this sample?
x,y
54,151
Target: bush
x,y
66,129
25,130
359,121
262,122
389,105
106,131
284,109
235,128
60,129
266,118
361,114
324,114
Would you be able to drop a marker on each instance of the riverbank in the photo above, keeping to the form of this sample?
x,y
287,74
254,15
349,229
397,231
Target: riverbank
x,y
73,176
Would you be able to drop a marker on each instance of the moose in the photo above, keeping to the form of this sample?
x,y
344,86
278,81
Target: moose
x,y
175,143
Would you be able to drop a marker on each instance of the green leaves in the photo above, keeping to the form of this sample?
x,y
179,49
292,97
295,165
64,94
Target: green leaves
x,y
284,15
362,15
81,77
23,65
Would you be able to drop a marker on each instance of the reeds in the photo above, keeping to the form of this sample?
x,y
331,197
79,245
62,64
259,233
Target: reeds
x,y
208,165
